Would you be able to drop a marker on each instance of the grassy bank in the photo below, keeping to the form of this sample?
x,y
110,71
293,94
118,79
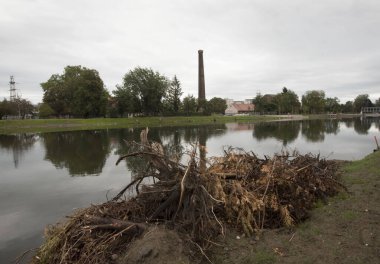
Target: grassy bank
x,y
54,125
343,229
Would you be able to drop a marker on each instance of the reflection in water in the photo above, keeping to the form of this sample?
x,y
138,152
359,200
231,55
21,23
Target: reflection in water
x,y
173,140
120,138
85,152
240,126
332,126
202,149
286,132
81,152
18,144
348,122
312,130
362,125
315,130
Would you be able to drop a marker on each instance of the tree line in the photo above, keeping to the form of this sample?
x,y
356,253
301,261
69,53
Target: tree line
x,y
312,102
80,92
16,108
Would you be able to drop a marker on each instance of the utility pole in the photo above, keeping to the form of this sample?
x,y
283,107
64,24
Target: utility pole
x,y
12,89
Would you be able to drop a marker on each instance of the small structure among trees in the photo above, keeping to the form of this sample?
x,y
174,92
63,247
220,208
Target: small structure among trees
x,y
234,108
375,110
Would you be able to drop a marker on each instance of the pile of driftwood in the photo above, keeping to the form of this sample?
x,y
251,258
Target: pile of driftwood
x,y
200,199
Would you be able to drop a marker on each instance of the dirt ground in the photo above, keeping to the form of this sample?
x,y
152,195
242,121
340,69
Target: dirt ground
x,y
346,229
158,245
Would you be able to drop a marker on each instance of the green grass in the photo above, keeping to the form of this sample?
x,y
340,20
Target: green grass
x,y
55,125
362,171
352,180
370,164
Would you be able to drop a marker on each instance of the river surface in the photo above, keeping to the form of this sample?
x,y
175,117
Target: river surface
x,y
44,176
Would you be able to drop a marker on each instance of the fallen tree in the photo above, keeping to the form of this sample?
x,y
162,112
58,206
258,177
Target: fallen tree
x,y
199,199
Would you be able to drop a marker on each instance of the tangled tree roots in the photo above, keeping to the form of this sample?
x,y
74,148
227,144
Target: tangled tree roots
x,y
237,190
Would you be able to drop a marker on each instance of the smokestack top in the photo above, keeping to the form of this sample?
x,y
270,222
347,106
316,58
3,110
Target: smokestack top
x,y
200,51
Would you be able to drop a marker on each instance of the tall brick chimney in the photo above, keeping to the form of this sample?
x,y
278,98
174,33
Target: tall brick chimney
x,y
201,77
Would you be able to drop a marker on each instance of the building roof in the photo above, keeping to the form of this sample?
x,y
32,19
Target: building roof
x,y
244,107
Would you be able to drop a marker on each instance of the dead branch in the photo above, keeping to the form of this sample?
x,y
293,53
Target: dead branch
x,y
237,190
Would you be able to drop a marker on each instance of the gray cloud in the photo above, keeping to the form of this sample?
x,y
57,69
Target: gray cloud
x,y
249,46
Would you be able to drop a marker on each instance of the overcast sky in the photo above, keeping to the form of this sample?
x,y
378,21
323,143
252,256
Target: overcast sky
x,y
250,46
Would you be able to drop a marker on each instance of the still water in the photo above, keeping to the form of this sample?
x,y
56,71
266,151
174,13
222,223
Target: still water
x,y
43,177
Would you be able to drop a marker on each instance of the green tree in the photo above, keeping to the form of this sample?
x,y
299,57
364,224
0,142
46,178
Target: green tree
x,y
332,105
202,107
144,90
56,95
348,107
258,102
89,96
6,108
217,105
112,108
189,105
18,107
287,101
79,91
126,101
45,111
24,107
313,102
377,103
173,96
362,100
265,103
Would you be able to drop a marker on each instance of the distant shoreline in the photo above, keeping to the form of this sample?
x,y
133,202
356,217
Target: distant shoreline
x,y
317,116
56,125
